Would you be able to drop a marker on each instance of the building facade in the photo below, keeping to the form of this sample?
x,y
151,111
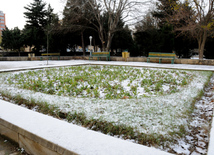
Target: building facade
x,y
2,21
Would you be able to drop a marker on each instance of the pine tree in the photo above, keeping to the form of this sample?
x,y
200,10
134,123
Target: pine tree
x,y
36,15
164,9
6,37
12,39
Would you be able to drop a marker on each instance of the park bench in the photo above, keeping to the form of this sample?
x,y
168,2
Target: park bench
x,y
50,55
100,54
161,56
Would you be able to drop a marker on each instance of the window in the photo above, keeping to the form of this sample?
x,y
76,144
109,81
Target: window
x,y
2,25
1,21
1,17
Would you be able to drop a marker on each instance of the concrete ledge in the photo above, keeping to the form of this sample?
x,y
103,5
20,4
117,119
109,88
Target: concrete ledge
x,y
32,143
211,140
8,132
40,134
14,59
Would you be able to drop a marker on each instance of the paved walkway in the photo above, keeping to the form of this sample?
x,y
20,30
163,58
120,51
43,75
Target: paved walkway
x,y
88,139
16,65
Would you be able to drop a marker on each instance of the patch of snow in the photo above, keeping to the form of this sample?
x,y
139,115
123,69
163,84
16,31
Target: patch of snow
x,y
182,148
17,65
137,113
72,137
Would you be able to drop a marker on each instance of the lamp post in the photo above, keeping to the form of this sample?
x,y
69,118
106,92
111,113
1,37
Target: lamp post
x,y
90,38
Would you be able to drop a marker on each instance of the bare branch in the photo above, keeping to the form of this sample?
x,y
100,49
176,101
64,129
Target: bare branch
x,y
195,17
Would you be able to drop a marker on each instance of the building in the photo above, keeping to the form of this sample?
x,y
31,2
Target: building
x,y
2,21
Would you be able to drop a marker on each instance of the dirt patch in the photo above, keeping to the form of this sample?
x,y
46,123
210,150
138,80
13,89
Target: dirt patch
x,y
196,142
9,147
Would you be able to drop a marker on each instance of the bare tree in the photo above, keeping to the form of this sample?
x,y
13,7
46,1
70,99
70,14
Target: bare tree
x,y
115,10
95,12
77,18
195,17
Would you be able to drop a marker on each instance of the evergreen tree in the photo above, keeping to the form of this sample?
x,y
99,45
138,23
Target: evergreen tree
x,y
6,37
150,37
164,9
17,39
122,39
36,15
50,25
12,39
0,38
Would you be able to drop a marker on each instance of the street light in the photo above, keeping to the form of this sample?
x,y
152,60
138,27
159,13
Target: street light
x,y
90,38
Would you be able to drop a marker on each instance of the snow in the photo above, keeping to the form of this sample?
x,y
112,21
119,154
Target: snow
x,y
86,141
182,148
72,137
136,113
16,65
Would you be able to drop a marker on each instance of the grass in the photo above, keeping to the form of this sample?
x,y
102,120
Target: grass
x,y
106,82
150,106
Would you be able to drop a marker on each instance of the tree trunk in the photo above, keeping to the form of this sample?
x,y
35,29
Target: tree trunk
x,y
94,44
110,36
201,44
101,36
103,43
83,43
47,45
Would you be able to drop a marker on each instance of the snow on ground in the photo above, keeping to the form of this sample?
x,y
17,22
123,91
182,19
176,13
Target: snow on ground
x,y
184,96
150,115
72,137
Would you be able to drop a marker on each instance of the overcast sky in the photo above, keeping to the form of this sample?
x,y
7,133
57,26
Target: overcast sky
x,y
14,10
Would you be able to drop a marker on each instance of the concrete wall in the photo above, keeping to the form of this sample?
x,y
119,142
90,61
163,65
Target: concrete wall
x,y
32,143
130,59
14,59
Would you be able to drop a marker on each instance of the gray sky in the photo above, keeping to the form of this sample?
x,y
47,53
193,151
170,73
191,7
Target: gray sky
x,y
14,10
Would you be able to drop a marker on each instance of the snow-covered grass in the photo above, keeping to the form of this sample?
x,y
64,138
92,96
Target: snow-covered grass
x,y
107,82
148,105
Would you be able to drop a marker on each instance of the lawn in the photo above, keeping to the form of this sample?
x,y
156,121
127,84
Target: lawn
x,y
147,105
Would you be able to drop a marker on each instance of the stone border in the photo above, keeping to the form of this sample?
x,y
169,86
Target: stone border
x,y
32,132
32,143
211,138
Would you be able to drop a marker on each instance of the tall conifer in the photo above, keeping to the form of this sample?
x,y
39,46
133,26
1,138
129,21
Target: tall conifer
x,y
36,15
